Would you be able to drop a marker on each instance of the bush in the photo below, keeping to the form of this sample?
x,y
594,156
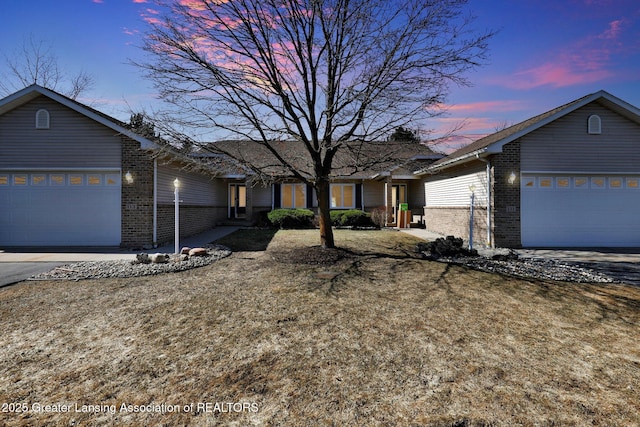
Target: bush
x,y
351,218
291,218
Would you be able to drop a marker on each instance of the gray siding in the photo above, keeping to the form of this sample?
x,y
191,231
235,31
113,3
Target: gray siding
x,y
261,196
195,189
374,196
565,145
72,141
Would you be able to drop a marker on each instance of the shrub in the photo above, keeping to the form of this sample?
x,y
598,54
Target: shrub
x,y
379,217
351,218
291,218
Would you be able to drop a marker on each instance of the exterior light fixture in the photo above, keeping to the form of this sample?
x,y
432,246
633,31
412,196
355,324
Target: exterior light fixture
x,y
128,177
176,186
512,178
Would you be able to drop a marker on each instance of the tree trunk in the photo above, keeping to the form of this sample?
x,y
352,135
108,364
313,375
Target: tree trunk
x,y
324,209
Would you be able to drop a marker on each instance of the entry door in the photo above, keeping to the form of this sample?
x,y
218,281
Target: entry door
x,y
398,195
237,200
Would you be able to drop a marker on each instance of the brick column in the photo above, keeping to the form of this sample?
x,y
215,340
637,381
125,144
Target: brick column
x,y
506,197
137,197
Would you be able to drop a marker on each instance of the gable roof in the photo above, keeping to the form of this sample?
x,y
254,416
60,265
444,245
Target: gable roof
x,y
355,160
29,93
492,144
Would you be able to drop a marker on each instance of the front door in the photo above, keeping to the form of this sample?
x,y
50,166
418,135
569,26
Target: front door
x,y
237,200
398,195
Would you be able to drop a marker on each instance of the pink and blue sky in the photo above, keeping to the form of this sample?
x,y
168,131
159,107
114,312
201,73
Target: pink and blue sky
x,y
545,54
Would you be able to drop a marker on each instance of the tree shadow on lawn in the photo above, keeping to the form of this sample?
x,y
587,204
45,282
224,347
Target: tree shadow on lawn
x,y
248,240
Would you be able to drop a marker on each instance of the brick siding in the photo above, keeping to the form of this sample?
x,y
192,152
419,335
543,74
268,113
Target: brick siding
x,y
193,220
506,196
137,197
454,221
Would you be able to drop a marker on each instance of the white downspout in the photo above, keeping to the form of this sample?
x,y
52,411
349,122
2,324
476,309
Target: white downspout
x,y
155,203
488,171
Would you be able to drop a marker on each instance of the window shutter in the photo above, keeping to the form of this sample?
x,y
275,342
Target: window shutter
x,y
276,196
309,196
358,196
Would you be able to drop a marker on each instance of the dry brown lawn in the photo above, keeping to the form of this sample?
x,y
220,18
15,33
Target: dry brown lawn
x,y
292,335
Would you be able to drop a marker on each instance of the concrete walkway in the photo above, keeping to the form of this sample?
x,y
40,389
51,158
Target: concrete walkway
x,y
19,264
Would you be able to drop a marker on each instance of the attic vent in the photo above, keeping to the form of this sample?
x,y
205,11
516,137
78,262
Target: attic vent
x,y
595,125
42,119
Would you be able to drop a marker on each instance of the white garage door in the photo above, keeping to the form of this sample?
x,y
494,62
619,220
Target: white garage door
x,y
580,210
79,208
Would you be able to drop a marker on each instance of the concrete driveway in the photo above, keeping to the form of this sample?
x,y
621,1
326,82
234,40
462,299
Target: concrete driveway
x,y
17,265
622,264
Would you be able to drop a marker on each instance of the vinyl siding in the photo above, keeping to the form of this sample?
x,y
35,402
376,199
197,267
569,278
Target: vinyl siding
x,y
451,192
261,196
72,141
565,145
374,196
195,189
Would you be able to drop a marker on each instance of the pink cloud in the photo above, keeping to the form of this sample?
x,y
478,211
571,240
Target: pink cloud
x,y
140,1
557,75
484,106
97,1
588,60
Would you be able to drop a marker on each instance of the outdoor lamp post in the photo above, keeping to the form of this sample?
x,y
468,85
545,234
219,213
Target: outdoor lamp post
x,y
176,185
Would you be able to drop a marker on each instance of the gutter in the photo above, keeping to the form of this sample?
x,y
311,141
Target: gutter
x,y
458,160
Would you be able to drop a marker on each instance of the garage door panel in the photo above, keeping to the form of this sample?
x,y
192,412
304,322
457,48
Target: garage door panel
x,y
59,214
603,214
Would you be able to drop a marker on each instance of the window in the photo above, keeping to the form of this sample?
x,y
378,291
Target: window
x,y
56,179
615,182
343,196
19,180
76,180
581,182
562,182
294,196
597,182
595,125
42,119
94,180
633,183
4,179
38,180
546,182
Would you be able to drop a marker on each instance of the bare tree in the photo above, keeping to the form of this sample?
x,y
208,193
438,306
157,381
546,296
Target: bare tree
x,y
326,75
35,63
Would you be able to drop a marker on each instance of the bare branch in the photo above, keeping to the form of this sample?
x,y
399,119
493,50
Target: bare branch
x,y
328,75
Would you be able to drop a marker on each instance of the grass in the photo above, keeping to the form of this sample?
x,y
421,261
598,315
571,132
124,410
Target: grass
x,y
363,335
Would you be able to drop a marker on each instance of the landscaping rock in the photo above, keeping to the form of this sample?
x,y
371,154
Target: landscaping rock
x,y
159,258
198,252
142,266
185,250
448,247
